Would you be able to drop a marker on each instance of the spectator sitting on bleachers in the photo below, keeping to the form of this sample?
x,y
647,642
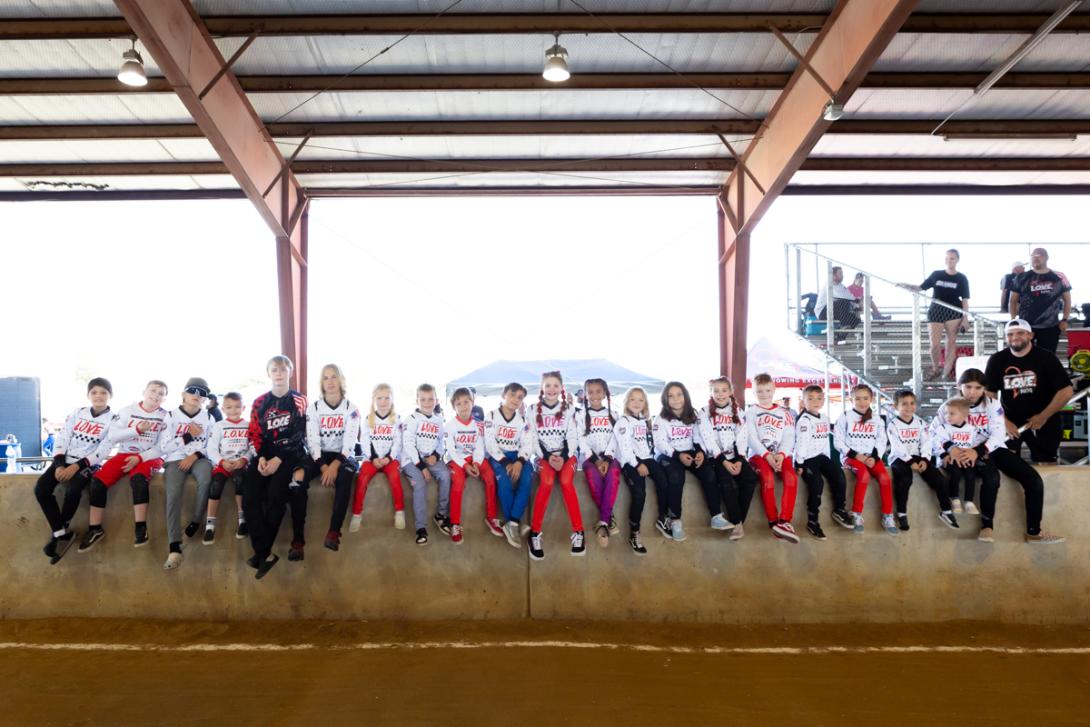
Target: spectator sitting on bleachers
x,y
856,289
843,301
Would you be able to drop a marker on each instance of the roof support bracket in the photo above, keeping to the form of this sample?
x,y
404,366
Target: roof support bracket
x,y
738,161
287,164
802,61
230,62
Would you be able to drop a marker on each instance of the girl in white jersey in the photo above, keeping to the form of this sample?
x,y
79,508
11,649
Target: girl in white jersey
x,y
772,446
676,431
723,431
636,451
597,452
380,440
860,437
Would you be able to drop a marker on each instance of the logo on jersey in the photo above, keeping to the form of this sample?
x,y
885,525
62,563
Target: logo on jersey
x,y
1020,382
331,422
91,429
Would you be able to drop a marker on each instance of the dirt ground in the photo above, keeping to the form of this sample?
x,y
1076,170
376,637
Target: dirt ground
x,y
470,673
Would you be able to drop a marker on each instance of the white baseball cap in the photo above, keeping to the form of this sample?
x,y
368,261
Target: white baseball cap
x,y
1018,324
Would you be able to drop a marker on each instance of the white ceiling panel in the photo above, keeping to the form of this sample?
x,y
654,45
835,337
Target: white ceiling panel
x,y
508,179
922,145
998,103
93,109
989,178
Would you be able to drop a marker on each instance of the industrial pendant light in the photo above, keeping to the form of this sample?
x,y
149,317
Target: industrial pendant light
x,y
132,68
556,65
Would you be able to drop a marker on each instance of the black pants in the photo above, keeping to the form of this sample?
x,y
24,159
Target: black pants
x,y
733,491
843,312
343,486
902,481
637,484
675,480
813,471
264,500
219,483
1010,464
1047,338
46,488
955,475
1044,444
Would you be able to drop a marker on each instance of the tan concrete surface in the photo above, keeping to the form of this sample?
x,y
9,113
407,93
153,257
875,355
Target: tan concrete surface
x,y
927,574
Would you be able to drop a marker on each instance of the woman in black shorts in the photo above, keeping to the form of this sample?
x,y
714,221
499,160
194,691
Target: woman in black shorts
x,y
951,288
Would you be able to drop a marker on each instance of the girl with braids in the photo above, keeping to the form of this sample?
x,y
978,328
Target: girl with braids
x,y
380,440
860,437
636,452
553,433
677,439
723,432
597,450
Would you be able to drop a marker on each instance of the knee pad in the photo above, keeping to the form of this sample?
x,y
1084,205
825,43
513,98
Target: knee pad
x,y
140,490
97,494
239,481
215,492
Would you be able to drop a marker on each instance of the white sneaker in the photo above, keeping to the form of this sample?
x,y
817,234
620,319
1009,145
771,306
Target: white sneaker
x,y
399,520
956,504
524,530
511,532
677,531
173,561
971,509
578,544
737,533
354,523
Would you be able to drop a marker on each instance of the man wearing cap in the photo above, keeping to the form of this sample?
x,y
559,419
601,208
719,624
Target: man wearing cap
x,y
1007,282
1040,296
184,443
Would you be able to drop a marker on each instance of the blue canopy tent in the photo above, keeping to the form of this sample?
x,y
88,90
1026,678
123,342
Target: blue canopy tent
x,y
489,380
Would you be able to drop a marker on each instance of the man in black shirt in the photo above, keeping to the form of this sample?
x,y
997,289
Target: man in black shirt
x,y
1007,284
1040,296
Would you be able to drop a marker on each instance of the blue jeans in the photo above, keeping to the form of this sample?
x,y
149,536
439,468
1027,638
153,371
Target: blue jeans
x,y
513,498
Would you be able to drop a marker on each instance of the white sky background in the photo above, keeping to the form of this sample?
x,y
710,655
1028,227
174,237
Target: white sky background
x,y
406,290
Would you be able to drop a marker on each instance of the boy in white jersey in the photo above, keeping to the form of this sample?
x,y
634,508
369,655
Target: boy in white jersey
x,y
814,463
507,442
184,443
230,452
962,451
910,452
333,428
422,460
135,430
78,450
771,434
464,449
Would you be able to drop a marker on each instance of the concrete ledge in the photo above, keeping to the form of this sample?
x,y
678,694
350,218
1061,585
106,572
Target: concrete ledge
x,y
928,574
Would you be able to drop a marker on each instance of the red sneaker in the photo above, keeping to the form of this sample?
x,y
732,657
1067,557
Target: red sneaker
x,y
494,526
456,534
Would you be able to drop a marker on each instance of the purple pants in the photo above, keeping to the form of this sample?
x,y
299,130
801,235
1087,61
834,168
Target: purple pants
x,y
603,489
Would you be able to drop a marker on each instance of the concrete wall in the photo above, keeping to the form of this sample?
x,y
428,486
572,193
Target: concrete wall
x,y
928,574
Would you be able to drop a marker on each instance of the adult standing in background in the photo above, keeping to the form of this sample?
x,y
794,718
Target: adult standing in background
x,y
951,288
1040,296
1006,283
214,408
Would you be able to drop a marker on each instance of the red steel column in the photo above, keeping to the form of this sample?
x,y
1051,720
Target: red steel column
x,y
733,260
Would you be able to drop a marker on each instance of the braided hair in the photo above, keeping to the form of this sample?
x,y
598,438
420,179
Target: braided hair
x,y
609,401
541,398
864,416
713,407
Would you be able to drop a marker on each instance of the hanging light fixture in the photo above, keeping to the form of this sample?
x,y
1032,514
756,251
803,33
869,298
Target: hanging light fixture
x,y
556,64
132,68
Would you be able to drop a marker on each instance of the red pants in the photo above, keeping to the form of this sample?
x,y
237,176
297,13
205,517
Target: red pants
x,y
112,469
862,479
767,477
393,476
548,476
458,485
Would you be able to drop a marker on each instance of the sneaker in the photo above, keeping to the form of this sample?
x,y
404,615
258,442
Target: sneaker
x,y
902,522
266,565
242,531
814,528
844,519
737,533
1043,538
421,536
191,529
209,536
614,529
534,544
50,548
949,520
971,509
784,531
399,520
296,551
174,560
636,543
443,523
92,536
578,544
986,535
61,546
494,526
140,539
332,540
721,523
956,504
524,531
253,562
663,526
357,520
511,532
601,531
456,534
857,523
889,524
676,531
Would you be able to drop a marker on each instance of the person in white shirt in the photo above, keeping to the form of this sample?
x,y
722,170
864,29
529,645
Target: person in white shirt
x,y
844,305
422,461
510,451
184,443
724,434
231,452
597,452
636,451
676,431
812,433
771,438
860,437
465,455
380,442
910,451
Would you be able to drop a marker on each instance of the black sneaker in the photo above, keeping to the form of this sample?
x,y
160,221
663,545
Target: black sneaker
x,y
191,529
421,536
443,523
949,520
50,548
333,540
61,546
266,566
663,526
92,536
614,529
296,552
814,528
844,519
140,539
253,562
243,530
636,543
537,550
902,522
209,536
